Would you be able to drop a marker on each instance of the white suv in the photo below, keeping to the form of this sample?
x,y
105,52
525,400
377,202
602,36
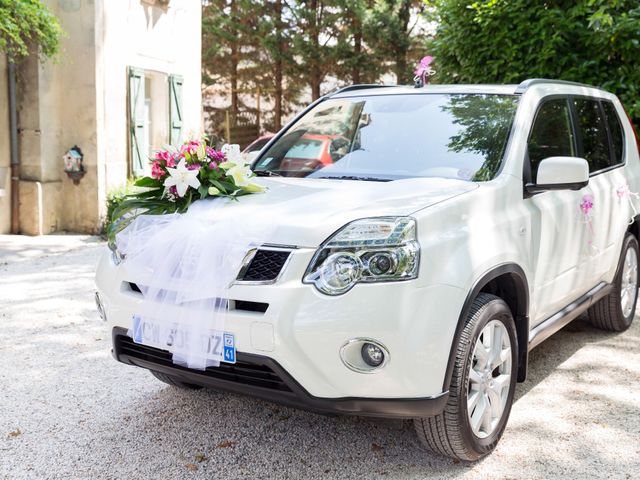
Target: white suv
x,y
426,239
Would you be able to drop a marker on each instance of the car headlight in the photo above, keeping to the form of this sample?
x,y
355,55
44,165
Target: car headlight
x,y
382,249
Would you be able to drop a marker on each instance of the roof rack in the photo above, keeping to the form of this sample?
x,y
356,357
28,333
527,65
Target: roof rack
x,y
536,81
359,86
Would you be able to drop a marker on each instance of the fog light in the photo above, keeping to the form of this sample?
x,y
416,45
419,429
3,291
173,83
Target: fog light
x,y
372,354
364,355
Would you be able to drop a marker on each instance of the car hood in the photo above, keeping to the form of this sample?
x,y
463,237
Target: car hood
x,y
307,211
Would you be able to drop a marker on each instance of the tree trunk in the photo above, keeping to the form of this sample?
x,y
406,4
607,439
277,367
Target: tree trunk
x,y
402,50
278,68
315,75
357,50
234,67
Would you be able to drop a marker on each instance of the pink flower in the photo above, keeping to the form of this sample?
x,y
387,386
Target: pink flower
x,y
424,65
157,171
163,155
190,148
193,166
173,191
213,166
586,204
171,163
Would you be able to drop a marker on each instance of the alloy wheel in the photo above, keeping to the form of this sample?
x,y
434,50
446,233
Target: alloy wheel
x,y
629,284
489,379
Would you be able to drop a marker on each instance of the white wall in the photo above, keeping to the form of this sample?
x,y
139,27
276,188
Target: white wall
x,y
132,33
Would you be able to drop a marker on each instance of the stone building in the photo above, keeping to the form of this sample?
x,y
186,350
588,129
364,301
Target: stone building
x,y
127,81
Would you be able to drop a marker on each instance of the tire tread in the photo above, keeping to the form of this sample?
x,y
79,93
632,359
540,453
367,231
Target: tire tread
x,y
442,433
606,314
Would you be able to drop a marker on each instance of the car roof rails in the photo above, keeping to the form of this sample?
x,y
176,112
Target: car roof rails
x,y
537,81
359,86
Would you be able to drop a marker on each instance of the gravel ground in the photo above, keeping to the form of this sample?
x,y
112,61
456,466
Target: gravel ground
x,y
68,410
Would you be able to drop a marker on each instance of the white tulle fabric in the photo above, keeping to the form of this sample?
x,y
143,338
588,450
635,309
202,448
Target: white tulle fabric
x,y
184,265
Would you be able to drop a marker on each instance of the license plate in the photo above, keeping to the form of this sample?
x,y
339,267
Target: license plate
x,y
214,345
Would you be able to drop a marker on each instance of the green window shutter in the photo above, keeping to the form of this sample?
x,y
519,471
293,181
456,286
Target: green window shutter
x,y
175,109
137,135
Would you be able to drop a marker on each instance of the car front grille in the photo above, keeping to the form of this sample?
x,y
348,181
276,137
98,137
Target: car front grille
x,y
242,372
265,266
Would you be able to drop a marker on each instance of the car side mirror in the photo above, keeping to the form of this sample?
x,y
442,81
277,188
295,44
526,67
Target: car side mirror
x,y
561,173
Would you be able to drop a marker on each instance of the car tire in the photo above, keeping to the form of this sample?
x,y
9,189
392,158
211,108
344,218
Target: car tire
x,y
615,312
452,433
174,382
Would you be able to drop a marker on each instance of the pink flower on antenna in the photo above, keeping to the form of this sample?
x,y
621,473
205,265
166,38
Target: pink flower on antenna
x,y
424,67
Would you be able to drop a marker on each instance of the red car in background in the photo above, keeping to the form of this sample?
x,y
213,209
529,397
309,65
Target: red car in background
x,y
308,153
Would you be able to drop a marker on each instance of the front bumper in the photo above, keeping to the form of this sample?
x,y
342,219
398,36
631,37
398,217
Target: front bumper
x,y
263,377
303,330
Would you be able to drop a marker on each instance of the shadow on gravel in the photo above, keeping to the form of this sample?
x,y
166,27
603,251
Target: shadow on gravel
x,y
241,436
557,349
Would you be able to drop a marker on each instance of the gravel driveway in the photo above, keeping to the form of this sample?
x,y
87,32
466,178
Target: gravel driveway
x,y
68,410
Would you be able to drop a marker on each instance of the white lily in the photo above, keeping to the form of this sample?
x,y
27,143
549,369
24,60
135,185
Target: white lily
x,y
233,154
254,188
182,178
240,174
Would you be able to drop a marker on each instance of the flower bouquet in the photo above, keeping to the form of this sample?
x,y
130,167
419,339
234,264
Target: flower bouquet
x,y
179,176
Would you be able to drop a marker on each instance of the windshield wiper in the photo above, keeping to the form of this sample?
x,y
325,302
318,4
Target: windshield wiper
x,y
266,173
355,177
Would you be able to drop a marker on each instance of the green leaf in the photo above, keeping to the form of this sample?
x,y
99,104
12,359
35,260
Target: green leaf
x,y
203,190
147,182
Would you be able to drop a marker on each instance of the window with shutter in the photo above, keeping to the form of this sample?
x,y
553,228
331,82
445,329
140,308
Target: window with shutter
x,y
175,108
138,147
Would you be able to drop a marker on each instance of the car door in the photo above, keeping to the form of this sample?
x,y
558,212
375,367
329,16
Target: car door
x,y
559,234
600,141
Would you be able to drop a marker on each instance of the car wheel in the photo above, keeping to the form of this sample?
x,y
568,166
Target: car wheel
x,y
173,381
615,312
482,385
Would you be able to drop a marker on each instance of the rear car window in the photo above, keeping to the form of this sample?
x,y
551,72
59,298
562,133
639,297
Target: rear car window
x,y
305,148
593,131
615,129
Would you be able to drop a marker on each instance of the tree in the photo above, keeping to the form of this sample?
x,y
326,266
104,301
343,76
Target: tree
x,y
357,61
26,22
277,55
499,41
395,27
315,38
229,38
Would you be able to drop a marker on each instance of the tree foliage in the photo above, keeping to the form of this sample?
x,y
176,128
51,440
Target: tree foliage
x,y
283,47
506,41
27,22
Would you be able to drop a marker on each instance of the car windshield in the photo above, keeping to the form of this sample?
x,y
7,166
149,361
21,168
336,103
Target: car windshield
x,y
257,145
388,137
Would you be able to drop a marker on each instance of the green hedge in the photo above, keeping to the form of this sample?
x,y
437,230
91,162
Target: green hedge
x,y
507,41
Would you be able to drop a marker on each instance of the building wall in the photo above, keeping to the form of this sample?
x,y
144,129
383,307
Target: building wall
x,y
82,100
165,41
5,182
